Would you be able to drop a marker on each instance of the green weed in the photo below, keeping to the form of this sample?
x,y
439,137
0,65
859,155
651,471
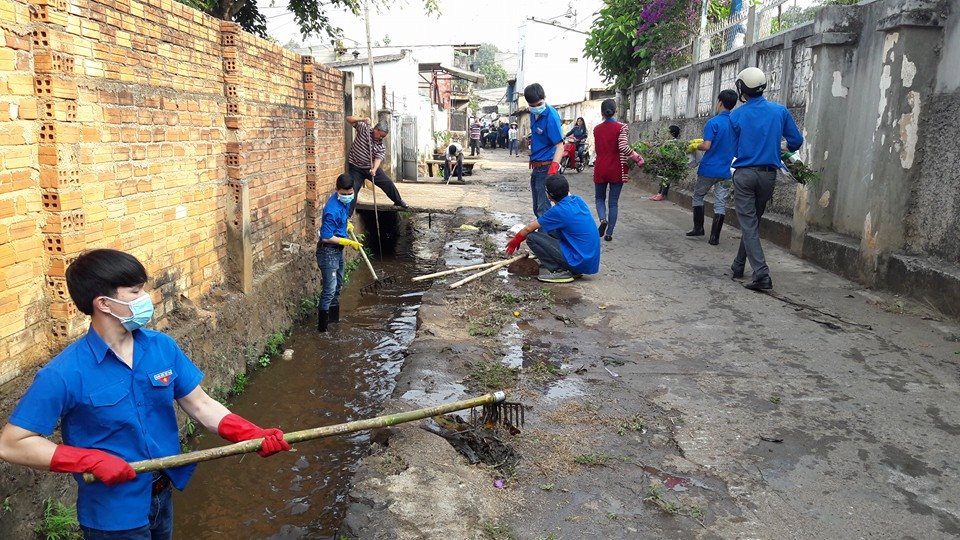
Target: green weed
x,y
493,375
239,384
275,343
593,459
59,522
547,296
636,423
495,530
775,399
6,506
486,326
546,487
264,360
544,371
656,495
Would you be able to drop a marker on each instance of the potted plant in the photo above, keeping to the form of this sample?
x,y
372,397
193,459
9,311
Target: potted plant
x,y
441,140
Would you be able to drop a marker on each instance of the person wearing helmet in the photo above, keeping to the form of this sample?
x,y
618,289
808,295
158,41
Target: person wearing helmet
x,y
758,125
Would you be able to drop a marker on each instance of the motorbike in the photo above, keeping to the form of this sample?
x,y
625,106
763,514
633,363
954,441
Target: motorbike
x,y
573,154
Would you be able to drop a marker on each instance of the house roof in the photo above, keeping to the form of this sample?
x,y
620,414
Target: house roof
x,y
458,73
364,61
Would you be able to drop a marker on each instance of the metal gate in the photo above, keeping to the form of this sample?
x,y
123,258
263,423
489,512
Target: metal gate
x,y
408,150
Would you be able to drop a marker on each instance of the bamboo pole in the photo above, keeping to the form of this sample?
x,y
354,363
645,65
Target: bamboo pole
x,y
253,445
455,271
366,259
482,273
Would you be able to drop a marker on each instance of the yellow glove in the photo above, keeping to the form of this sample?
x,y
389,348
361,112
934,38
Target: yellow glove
x,y
346,242
694,145
349,227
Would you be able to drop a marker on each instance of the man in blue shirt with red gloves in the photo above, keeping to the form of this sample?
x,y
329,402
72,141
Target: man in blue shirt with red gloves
x,y
112,393
759,126
719,143
564,239
546,145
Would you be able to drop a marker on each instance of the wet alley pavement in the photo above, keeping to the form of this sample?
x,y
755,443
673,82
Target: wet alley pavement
x,y
666,400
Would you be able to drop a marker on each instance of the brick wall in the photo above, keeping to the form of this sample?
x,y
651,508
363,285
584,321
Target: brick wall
x,y
149,127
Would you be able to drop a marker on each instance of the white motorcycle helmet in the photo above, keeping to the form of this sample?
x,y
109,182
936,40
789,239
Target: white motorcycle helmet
x,y
750,82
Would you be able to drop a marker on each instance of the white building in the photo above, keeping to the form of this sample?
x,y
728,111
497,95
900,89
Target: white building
x,y
552,54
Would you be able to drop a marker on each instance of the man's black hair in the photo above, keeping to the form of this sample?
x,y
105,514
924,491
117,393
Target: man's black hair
x,y
675,131
608,108
728,98
344,181
101,272
557,187
534,93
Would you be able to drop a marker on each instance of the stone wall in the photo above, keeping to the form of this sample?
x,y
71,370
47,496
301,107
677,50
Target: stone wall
x,y
153,128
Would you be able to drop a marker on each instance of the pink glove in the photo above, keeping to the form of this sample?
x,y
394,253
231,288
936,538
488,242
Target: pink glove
x,y
514,244
235,428
108,468
554,168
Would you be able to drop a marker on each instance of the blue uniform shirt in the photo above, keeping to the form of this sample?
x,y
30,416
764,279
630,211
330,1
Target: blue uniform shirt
x,y
579,241
335,216
545,135
103,404
716,161
759,125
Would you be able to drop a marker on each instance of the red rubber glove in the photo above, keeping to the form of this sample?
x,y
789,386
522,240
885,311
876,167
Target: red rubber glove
x,y
108,468
235,428
515,243
554,168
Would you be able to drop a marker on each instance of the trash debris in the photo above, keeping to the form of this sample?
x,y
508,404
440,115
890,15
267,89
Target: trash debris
x,y
612,374
516,313
771,438
466,227
288,354
499,483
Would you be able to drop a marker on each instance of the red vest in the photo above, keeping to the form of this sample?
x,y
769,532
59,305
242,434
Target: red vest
x,y
608,167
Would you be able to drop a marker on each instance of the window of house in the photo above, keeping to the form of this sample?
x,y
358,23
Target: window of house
x,y
574,60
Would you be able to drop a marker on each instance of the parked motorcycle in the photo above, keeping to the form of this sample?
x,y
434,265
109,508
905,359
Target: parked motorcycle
x,y
574,154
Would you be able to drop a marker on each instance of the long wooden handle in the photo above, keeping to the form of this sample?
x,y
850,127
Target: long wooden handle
x,y
454,271
363,253
482,273
253,445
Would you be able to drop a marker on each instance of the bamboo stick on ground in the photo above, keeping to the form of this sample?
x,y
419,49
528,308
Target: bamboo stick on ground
x,y
253,445
482,273
455,270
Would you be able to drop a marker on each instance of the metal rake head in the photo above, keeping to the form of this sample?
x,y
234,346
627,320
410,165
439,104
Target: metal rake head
x,y
505,413
376,285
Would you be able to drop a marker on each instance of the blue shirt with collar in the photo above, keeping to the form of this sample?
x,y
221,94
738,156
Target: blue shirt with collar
x,y
102,403
579,241
545,134
335,217
759,125
716,161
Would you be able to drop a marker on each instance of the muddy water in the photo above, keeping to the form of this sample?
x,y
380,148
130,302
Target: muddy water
x,y
337,377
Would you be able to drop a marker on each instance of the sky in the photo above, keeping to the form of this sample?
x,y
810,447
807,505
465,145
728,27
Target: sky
x,y
460,21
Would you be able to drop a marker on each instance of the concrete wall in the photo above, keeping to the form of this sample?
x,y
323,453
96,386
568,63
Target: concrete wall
x,y
553,56
149,127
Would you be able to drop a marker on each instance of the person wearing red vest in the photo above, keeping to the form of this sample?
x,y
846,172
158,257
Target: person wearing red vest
x,y
611,141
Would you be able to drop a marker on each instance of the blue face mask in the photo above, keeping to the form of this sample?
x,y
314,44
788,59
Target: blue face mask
x,y
345,199
538,110
141,311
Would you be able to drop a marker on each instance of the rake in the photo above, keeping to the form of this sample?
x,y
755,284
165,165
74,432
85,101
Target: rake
x,y
493,405
378,282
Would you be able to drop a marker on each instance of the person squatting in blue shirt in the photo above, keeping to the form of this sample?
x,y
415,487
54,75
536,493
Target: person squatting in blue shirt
x,y
546,145
758,125
332,237
564,238
112,392
719,144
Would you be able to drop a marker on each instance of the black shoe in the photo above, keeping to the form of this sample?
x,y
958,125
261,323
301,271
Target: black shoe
x,y
401,204
762,284
603,227
334,313
322,319
608,238
715,230
737,274
697,222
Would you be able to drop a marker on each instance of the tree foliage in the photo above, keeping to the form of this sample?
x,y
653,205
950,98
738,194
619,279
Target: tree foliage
x,y
494,74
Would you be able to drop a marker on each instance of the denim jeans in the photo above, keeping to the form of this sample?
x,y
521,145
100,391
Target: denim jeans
x,y
330,261
600,190
159,528
546,248
514,147
721,188
538,188
752,190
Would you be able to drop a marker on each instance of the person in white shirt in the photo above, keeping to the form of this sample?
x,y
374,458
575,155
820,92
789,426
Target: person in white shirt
x,y
513,135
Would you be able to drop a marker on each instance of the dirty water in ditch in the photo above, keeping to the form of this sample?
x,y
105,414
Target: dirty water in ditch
x,y
342,376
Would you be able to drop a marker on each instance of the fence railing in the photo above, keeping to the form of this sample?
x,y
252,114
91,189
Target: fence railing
x,y
759,21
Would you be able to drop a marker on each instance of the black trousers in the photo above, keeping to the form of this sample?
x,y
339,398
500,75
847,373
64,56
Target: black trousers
x,y
457,169
474,146
359,174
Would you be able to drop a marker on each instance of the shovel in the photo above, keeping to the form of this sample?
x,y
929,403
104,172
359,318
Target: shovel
x,y
494,408
378,282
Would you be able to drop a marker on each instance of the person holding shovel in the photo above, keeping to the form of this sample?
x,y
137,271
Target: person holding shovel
x,y
112,393
366,155
333,236
564,239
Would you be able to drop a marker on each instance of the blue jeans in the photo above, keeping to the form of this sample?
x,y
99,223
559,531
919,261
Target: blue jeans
x,y
514,147
600,190
159,528
538,188
330,261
